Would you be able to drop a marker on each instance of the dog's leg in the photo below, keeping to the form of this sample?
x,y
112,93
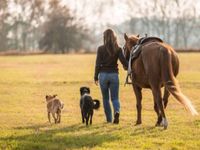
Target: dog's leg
x,y
87,119
49,117
59,117
83,120
91,115
53,114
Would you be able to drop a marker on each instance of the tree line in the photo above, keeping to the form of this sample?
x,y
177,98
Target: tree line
x,y
37,24
28,25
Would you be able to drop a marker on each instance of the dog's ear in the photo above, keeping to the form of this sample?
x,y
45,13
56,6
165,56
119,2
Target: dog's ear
x,y
88,90
46,96
81,89
54,95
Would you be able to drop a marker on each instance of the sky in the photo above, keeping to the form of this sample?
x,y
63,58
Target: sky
x,y
100,14
103,12
111,14
118,11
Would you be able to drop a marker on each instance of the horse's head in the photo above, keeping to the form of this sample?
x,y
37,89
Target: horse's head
x,y
130,42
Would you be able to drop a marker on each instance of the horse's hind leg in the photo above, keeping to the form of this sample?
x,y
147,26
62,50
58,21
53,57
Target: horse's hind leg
x,y
165,97
156,108
158,99
138,95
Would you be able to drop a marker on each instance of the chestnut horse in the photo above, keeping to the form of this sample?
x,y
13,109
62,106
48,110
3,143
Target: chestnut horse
x,y
156,66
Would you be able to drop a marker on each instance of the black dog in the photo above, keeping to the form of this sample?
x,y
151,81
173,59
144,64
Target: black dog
x,y
87,104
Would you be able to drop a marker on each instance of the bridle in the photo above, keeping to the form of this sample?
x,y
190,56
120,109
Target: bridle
x,y
124,50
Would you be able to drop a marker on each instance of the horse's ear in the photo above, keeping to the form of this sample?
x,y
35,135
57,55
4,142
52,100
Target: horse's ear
x,y
125,36
138,35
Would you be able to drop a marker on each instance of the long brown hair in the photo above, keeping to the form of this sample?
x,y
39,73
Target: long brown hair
x,y
110,42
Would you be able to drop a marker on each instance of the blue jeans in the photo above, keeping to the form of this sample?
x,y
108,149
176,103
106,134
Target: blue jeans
x,y
109,83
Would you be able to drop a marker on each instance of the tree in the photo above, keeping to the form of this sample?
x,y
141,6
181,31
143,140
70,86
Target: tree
x,y
4,26
60,31
25,21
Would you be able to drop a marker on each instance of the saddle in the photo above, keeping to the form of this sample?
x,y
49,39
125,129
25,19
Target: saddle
x,y
148,39
135,52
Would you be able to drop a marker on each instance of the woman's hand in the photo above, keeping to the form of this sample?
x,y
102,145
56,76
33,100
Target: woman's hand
x,y
96,82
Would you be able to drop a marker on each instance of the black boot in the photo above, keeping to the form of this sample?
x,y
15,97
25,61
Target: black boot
x,y
116,118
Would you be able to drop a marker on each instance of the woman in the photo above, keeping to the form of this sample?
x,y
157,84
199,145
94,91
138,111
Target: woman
x,y
106,73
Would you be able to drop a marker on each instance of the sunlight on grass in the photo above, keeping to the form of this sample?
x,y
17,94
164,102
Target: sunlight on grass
x,y
25,80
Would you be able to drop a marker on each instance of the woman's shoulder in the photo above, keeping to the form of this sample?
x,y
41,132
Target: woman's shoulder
x,y
119,49
101,47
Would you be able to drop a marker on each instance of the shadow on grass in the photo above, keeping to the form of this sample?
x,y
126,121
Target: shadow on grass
x,y
37,126
72,137
147,130
197,123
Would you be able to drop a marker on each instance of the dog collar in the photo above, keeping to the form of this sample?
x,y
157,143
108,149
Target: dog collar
x,y
51,100
85,94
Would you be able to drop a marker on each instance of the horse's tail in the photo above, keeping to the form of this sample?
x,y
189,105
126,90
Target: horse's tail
x,y
171,83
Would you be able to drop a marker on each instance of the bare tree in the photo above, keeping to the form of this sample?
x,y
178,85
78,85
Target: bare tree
x,y
60,31
4,26
26,20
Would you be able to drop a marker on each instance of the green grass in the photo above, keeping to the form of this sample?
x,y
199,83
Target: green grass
x,y
25,80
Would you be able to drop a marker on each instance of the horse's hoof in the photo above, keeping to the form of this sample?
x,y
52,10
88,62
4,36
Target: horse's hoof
x,y
165,127
164,123
158,125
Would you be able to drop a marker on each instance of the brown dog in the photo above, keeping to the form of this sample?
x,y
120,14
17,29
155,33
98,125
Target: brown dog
x,y
54,106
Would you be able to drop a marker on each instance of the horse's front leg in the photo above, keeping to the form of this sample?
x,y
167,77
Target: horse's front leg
x,y
138,95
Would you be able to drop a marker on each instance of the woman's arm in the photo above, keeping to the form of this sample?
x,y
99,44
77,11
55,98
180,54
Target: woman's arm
x,y
123,59
97,66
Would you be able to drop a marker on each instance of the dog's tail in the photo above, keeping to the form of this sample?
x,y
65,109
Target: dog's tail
x,y
61,105
96,104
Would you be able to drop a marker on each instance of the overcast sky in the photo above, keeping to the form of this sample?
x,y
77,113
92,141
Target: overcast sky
x,y
117,11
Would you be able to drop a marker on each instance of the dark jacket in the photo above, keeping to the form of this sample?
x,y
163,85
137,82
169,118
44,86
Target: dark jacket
x,y
107,63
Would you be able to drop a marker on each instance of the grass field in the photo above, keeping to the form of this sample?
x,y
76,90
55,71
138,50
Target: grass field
x,y
25,80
